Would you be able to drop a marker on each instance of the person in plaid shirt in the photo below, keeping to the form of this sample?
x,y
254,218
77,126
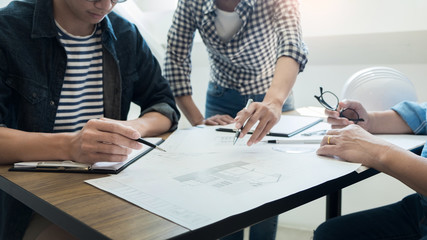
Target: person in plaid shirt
x,y
255,51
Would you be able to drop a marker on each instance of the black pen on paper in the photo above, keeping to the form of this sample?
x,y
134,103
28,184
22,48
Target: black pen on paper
x,y
295,141
150,144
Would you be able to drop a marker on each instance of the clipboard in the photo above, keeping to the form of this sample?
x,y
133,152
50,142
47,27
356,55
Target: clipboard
x,y
288,126
75,167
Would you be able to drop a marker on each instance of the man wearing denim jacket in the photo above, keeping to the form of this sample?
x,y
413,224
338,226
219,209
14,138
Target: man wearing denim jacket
x,y
37,48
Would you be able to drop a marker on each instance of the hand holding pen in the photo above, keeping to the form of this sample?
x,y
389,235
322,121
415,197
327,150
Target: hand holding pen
x,y
267,114
236,136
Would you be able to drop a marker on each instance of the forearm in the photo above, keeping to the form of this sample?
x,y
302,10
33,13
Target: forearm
x,y
190,110
284,79
406,166
387,122
18,146
150,124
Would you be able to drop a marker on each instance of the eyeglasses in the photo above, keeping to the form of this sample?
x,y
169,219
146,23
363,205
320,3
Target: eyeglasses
x,y
113,1
330,101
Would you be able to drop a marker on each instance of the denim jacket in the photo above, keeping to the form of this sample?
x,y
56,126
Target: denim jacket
x,y
32,69
33,63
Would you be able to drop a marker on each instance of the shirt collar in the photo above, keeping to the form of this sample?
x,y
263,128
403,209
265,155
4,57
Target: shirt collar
x,y
43,20
210,6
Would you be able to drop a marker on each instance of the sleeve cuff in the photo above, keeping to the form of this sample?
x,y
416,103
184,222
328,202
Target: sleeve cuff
x,y
165,110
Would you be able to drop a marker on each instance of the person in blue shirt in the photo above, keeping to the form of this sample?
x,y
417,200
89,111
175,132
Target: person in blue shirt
x,y
69,70
406,219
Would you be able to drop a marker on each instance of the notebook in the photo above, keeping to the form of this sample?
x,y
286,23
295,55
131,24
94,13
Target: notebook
x,y
288,126
75,167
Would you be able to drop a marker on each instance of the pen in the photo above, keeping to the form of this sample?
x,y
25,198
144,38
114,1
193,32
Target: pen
x,y
150,144
240,130
220,129
295,141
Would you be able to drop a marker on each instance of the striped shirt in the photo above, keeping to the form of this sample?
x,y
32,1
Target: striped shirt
x,y
82,91
246,63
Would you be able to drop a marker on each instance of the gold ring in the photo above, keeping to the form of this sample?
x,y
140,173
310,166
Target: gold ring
x,y
329,138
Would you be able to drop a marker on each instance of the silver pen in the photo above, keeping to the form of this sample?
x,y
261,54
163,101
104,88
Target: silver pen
x,y
236,136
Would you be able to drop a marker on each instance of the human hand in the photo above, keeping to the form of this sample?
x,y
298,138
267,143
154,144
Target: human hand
x,y
104,140
339,122
267,115
354,144
219,120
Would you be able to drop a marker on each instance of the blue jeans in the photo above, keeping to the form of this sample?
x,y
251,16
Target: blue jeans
x,y
220,100
403,220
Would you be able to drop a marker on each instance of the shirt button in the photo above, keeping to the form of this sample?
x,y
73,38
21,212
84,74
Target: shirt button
x,y
52,103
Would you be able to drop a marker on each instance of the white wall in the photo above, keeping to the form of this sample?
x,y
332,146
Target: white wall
x,y
4,3
346,36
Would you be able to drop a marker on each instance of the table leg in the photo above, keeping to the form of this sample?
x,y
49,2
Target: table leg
x,y
333,205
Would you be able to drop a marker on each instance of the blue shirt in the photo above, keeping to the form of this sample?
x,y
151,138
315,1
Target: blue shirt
x,y
270,29
415,115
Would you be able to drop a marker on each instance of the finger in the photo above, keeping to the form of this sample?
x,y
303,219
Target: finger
x,y
94,133
258,137
326,150
210,122
338,126
224,120
240,122
119,140
103,157
244,114
112,126
105,148
330,138
332,113
333,132
338,121
221,122
258,130
251,121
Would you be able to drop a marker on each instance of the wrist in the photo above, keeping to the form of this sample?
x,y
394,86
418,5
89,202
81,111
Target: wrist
x,y
200,121
384,154
66,142
274,104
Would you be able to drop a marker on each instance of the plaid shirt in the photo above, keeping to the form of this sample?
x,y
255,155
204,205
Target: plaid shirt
x,y
271,29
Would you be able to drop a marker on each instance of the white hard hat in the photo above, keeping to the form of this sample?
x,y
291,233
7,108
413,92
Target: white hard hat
x,y
379,88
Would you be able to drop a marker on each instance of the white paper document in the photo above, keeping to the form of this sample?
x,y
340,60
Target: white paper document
x,y
204,178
